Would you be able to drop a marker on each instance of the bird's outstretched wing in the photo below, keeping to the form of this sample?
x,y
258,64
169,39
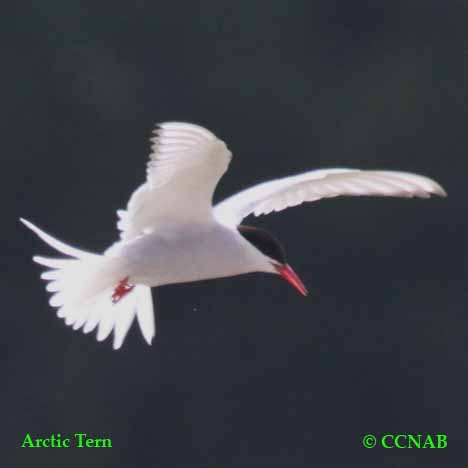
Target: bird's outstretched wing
x,y
185,166
279,194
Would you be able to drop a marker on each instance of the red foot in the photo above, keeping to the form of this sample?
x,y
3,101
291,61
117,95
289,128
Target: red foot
x,y
122,289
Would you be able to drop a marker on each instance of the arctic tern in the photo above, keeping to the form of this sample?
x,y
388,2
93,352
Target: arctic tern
x,y
171,233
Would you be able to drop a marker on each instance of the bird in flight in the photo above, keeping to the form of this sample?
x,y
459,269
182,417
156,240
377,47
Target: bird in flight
x,y
171,232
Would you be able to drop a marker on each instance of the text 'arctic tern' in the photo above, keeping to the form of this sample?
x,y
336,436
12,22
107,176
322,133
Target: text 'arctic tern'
x,y
171,233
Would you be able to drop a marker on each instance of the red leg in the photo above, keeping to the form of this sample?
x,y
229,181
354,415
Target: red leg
x,y
121,290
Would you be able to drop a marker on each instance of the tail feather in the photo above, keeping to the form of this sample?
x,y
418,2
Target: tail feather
x,y
144,312
82,288
56,244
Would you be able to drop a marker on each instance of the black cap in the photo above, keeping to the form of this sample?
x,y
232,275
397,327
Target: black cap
x,y
264,241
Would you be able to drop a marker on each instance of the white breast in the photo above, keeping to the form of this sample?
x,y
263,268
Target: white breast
x,y
178,254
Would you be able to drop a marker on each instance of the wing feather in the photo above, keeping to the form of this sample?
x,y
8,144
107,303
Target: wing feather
x,y
280,194
185,166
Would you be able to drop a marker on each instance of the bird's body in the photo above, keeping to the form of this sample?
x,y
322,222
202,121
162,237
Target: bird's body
x,y
168,256
171,233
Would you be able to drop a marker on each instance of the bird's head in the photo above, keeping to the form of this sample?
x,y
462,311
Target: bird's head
x,y
269,246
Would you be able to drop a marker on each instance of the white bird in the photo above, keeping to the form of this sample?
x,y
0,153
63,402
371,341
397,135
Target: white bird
x,y
171,233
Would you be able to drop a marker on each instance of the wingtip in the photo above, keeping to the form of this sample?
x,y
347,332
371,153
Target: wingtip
x,y
434,188
441,192
185,127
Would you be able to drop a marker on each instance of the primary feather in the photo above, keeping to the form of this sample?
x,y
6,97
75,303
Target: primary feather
x,y
279,194
185,166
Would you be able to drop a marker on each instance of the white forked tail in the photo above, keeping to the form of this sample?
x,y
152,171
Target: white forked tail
x,y
82,288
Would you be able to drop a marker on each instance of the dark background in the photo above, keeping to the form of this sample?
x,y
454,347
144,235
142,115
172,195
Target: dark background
x,y
244,371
